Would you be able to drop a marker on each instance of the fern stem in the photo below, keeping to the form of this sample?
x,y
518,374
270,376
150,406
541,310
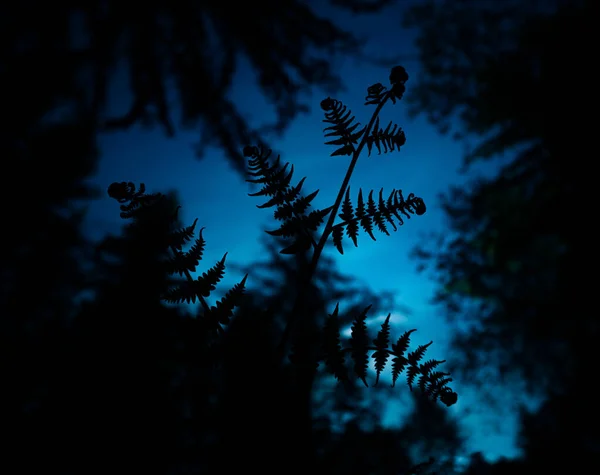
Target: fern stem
x,y
340,196
328,227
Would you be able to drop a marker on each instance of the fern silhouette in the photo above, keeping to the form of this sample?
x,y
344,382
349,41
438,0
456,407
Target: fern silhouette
x,y
374,214
298,225
133,204
432,383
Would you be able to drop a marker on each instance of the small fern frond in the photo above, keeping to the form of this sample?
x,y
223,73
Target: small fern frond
x,y
359,345
376,213
132,202
392,138
333,355
381,347
341,117
375,94
291,206
432,383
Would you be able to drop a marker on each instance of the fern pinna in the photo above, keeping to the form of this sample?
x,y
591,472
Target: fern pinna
x,y
135,204
298,225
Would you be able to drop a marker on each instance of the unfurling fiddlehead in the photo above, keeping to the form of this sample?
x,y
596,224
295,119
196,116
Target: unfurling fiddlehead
x,y
137,204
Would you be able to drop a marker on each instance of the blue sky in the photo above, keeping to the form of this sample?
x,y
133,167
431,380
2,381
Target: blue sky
x,y
211,191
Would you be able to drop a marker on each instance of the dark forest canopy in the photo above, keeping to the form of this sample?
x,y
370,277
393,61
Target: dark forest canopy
x,y
518,85
192,47
459,43
513,267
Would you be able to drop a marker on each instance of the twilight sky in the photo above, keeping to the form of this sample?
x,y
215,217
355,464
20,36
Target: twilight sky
x,y
211,191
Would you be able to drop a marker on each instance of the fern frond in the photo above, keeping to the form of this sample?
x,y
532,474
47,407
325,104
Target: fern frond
x,y
359,345
432,383
291,206
381,347
375,94
332,351
375,214
392,138
133,203
220,314
341,117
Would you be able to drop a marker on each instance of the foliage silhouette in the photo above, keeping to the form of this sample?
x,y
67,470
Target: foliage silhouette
x,y
42,268
509,269
503,229
296,224
120,380
287,44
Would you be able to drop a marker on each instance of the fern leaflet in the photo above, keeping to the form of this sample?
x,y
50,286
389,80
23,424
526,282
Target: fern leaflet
x,y
375,214
392,138
341,117
290,206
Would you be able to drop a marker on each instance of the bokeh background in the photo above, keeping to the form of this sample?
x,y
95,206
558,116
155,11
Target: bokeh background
x,y
472,274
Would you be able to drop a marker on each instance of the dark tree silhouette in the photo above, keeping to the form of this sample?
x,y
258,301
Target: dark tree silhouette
x,y
41,268
510,269
178,56
433,434
120,380
509,246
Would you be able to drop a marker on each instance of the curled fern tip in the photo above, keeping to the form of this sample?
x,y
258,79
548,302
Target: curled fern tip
x,y
250,151
327,104
398,77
